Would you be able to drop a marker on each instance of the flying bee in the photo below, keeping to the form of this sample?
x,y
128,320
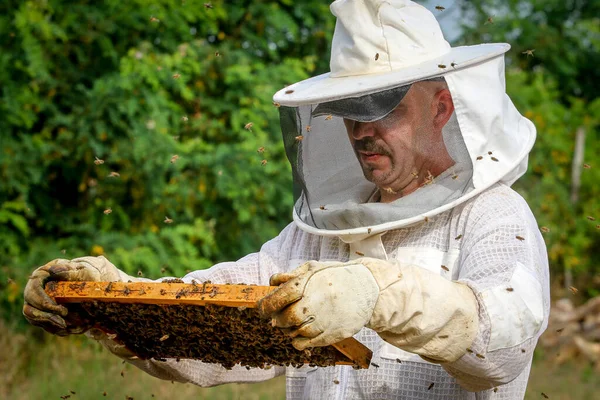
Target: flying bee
x,y
248,126
545,229
154,19
573,289
445,268
591,218
176,76
529,52
64,251
479,158
114,174
163,338
458,237
107,211
490,20
494,159
184,118
260,150
453,64
168,220
308,128
442,66
299,138
163,270
360,254
289,91
174,158
98,161
415,175
521,238
217,54
439,8
587,166
329,117
429,179
560,330
276,104
263,162
376,56
208,5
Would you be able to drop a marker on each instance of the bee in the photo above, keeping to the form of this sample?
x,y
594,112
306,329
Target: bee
x,y
360,254
591,218
123,375
376,56
299,138
390,190
208,5
263,162
415,175
490,20
429,179
154,19
114,174
163,270
289,91
587,166
458,237
98,161
453,64
489,153
523,350
158,68
442,66
168,220
455,177
399,361
521,238
248,126
108,287
217,54
184,118
104,394
176,76
545,229
495,389
444,337
494,159
163,338
426,219
126,291
140,273
308,128
431,385
174,158
336,381
329,117
469,350
107,211
163,292
369,231
64,251
445,268
10,281
479,158
439,8
529,52
544,395
573,289
560,330
480,356
260,150
509,289
375,365
276,104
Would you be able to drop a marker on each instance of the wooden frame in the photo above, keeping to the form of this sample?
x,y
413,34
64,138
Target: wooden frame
x,y
199,294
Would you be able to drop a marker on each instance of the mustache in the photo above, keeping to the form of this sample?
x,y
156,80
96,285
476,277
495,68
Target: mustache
x,y
370,145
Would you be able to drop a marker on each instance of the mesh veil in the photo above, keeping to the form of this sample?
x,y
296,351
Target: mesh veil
x,y
330,189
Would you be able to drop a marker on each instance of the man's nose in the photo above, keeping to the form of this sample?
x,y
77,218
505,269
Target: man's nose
x,y
361,130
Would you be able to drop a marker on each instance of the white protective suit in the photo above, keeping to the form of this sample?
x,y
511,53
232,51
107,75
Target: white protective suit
x,y
481,234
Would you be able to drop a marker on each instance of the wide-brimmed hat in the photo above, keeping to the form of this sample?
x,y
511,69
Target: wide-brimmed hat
x,y
382,44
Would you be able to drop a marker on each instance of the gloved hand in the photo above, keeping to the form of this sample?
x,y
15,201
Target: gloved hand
x,y
319,304
408,306
40,310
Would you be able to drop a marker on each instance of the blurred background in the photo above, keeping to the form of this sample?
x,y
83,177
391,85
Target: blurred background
x,y
144,130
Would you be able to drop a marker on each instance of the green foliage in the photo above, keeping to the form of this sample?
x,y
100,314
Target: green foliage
x,y
557,88
139,108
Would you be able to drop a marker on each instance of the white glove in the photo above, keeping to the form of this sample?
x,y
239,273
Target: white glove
x,y
319,304
411,308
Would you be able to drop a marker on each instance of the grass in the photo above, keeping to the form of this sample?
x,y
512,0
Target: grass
x,y
32,369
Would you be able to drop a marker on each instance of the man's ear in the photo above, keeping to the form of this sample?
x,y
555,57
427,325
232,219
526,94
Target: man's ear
x,y
444,107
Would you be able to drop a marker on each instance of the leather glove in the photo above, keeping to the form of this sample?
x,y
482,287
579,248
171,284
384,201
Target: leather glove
x,y
319,304
41,310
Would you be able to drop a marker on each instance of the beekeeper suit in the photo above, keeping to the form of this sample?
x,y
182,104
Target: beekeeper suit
x,y
406,234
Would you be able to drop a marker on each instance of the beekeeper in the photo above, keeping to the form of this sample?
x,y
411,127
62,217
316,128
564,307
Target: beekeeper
x,y
406,233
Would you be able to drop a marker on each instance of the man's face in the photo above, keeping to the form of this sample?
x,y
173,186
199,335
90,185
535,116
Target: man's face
x,y
394,150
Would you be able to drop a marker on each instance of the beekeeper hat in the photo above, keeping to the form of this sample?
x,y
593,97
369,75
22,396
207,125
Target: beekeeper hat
x,y
382,44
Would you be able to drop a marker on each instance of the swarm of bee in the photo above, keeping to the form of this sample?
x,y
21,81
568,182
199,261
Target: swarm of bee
x,y
210,333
